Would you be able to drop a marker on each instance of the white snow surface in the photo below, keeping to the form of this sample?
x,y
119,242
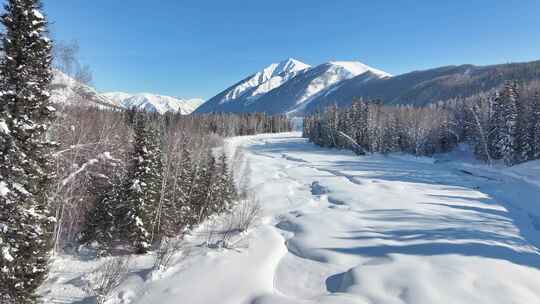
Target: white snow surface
x,y
117,97
38,14
339,228
4,127
154,103
4,190
358,68
266,80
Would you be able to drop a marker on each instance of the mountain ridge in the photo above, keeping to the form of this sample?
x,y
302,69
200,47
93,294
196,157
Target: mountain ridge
x,y
154,102
294,87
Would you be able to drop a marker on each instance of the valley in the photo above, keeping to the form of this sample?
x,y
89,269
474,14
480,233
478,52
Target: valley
x,y
338,228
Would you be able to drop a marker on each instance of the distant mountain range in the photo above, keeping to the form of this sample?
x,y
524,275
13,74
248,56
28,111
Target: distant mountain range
x,y
154,103
66,90
295,88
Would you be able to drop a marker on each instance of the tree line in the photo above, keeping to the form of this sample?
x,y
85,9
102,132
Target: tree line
x,y
169,184
502,125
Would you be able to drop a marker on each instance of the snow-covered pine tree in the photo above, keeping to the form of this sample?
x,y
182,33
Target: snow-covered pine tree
x,y
496,125
196,188
508,139
447,138
535,126
374,129
359,118
390,135
208,200
177,211
354,120
343,126
316,128
228,193
332,122
25,162
307,126
141,189
523,145
101,222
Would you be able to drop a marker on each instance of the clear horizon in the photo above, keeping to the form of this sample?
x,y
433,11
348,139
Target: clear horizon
x,y
196,50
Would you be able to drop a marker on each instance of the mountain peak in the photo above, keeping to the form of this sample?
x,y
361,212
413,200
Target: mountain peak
x,y
285,86
263,81
356,68
290,65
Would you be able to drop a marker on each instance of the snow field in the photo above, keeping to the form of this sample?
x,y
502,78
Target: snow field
x,y
338,228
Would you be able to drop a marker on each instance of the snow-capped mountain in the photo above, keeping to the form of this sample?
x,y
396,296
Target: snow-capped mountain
x,y
264,81
67,90
117,97
154,103
285,87
421,88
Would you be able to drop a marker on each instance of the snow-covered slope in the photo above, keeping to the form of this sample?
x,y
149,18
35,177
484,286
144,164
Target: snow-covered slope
x,y
66,90
154,103
297,93
266,80
247,92
285,87
328,77
421,88
117,97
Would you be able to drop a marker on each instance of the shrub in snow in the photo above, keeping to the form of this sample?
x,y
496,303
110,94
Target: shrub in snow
x,y
222,231
167,249
107,277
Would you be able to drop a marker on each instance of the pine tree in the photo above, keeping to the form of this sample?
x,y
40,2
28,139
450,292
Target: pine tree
x,y
535,126
227,189
330,127
208,200
101,225
496,126
25,162
196,188
390,140
508,139
523,144
176,213
141,189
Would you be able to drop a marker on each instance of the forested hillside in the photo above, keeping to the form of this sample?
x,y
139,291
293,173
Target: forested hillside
x,y
503,125
421,88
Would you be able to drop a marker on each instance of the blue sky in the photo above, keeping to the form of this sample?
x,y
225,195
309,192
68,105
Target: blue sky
x,y
197,48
